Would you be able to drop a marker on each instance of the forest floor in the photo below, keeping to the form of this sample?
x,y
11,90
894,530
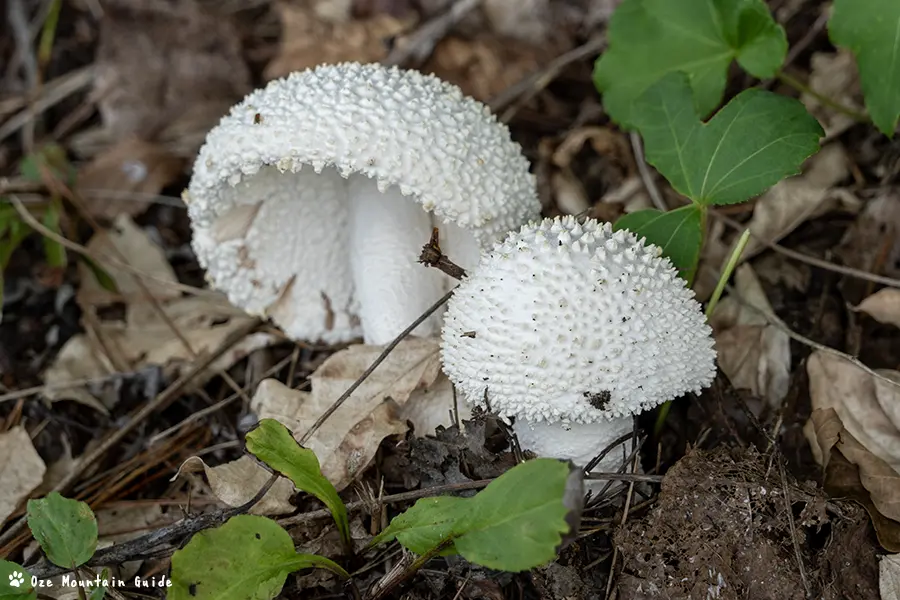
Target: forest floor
x,y
104,399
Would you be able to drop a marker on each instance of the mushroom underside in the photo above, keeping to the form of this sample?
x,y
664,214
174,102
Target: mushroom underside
x,y
330,258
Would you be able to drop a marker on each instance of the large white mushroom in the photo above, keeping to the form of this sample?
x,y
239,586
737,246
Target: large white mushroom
x,y
572,328
311,200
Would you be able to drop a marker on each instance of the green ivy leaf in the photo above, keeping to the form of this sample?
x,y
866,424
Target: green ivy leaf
x,y
65,529
272,443
428,523
514,524
871,30
753,142
677,232
54,252
249,557
650,38
15,582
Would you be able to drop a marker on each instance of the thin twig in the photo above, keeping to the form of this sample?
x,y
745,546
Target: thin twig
x,y
530,86
390,499
807,39
102,260
420,44
646,176
74,383
810,260
432,256
21,33
52,93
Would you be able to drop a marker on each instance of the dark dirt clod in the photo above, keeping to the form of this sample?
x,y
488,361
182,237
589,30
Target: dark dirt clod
x,y
721,530
453,456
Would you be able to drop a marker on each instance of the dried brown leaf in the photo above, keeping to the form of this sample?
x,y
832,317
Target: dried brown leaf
x,y
308,40
835,76
753,354
237,482
124,178
867,406
140,252
123,523
187,328
853,472
21,470
203,323
883,306
889,577
349,438
791,202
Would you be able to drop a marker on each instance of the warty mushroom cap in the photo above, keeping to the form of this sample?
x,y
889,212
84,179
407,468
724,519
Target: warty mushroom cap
x,y
574,323
305,246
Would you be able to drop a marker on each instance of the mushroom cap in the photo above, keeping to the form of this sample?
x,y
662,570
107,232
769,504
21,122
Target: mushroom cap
x,y
572,322
273,237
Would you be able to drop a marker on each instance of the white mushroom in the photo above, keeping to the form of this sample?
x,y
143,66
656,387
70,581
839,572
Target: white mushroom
x,y
572,329
330,252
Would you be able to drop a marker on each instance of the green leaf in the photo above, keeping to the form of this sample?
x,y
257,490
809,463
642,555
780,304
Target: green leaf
x,y
753,142
518,520
514,524
871,30
426,524
677,232
649,39
65,529
15,582
272,443
51,158
54,252
249,557
102,276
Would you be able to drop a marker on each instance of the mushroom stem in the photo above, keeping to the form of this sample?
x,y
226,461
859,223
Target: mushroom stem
x,y
387,230
578,442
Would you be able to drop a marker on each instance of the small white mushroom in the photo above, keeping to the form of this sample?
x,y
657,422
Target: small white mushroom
x,y
572,329
311,200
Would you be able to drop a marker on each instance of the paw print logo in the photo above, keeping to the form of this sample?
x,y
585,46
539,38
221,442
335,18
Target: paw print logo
x,y
16,579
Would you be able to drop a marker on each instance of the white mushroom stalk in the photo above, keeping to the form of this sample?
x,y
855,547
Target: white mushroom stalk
x,y
572,328
311,200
